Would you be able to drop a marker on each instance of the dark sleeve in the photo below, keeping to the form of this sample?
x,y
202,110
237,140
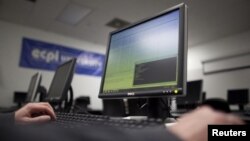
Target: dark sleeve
x,y
86,133
152,134
7,118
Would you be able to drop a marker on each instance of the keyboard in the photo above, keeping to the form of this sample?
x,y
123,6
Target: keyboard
x,y
72,120
247,113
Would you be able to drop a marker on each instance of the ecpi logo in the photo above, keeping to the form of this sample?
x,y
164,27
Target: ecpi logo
x,y
54,56
47,56
88,61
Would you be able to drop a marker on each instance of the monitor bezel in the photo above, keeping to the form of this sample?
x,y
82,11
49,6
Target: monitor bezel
x,y
38,78
181,57
67,85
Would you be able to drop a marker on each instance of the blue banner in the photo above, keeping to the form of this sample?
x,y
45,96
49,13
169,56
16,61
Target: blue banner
x,y
41,55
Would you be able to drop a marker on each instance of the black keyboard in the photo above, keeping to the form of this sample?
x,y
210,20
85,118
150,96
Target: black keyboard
x,y
247,113
71,120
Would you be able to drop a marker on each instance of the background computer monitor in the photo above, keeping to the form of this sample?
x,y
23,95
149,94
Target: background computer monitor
x,y
34,87
193,96
29,96
61,82
148,58
238,97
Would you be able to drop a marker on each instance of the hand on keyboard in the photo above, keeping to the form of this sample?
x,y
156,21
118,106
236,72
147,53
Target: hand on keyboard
x,y
35,113
193,126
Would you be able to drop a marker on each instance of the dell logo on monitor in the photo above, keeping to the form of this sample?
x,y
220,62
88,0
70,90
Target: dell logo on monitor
x,y
131,94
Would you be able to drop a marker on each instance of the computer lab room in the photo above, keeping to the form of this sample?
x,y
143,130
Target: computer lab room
x,y
123,69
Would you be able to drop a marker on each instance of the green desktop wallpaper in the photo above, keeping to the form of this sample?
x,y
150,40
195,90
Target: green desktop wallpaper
x,y
138,45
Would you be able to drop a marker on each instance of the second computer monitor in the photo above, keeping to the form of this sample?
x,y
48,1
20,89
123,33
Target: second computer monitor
x,y
194,94
61,81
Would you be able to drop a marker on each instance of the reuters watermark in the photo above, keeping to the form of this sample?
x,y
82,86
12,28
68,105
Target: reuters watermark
x,y
239,132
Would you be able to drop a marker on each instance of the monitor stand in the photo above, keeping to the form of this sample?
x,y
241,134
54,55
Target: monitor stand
x,y
241,107
43,92
157,108
65,104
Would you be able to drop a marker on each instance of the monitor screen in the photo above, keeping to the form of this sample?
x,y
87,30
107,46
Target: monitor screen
x,y
148,58
61,81
194,93
33,87
237,96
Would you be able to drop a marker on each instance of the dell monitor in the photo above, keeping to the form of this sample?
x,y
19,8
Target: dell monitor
x,y
34,87
148,58
238,97
193,96
61,82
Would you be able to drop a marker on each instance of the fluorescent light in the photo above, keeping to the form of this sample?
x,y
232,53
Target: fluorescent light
x,y
73,13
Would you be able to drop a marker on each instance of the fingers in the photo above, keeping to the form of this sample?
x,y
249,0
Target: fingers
x,y
39,119
221,117
231,119
41,108
210,116
49,106
46,104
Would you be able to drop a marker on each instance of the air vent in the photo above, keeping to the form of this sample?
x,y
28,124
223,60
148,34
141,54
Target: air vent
x,y
117,23
32,1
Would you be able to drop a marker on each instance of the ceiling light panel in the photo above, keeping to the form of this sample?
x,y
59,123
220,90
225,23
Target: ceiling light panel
x,y
73,13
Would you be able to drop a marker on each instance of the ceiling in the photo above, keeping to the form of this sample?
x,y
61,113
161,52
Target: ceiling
x,y
207,19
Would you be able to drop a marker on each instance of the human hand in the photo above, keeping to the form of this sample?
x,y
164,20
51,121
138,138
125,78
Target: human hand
x,y
193,126
35,113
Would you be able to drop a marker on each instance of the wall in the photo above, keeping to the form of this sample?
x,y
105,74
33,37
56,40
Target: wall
x,y
216,85
13,78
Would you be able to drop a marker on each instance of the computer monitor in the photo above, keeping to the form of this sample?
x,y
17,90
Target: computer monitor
x,y
194,95
61,82
238,97
19,98
34,87
148,58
